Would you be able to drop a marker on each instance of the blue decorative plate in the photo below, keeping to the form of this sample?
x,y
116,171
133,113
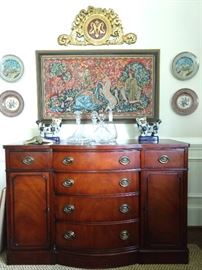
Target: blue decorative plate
x,y
185,65
11,68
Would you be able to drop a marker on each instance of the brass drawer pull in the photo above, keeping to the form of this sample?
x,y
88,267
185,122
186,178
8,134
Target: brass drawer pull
x,y
124,208
69,208
124,182
28,160
124,160
68,183
69,235
68,161
163,159
124,235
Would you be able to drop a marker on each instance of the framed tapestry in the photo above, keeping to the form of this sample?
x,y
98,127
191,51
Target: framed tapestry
x,y
124,81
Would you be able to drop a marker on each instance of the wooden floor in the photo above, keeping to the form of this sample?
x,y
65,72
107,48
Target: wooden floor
x,y
195,236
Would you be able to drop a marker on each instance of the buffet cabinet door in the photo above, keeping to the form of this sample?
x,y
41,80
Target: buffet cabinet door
x,y
28,210
163,209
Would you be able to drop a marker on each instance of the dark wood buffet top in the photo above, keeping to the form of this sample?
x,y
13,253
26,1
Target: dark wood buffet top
x,y
130,143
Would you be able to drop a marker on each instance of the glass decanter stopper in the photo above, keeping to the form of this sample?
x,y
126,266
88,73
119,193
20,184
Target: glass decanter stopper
x,y
111,127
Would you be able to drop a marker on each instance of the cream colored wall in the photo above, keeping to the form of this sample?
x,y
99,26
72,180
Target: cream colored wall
x,y
172,26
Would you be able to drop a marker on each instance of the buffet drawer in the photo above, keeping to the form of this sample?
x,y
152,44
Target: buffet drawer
x,y
29,160
101,236
163,158
74,208
96,160
96,183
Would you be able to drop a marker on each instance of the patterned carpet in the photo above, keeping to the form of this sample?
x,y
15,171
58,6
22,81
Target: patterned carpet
x,y
194,264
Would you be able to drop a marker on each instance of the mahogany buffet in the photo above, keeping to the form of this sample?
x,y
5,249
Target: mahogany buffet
x,y
97,206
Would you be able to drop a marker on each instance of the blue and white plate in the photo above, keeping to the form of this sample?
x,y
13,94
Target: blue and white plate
x,y
185,65
11,68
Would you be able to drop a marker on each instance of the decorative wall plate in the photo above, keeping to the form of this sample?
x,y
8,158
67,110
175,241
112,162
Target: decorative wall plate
x,y
185,65
184,101
11,103
11,68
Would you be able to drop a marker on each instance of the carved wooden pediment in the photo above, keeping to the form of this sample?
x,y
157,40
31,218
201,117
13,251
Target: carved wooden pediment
x,y
97,26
